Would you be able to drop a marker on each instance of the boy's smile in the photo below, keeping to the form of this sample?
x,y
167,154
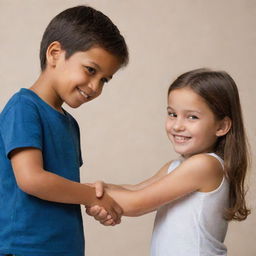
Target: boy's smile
x,y
191,125
81,77
75,80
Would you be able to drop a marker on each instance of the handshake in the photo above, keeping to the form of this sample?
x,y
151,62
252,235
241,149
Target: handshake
x,y
104,208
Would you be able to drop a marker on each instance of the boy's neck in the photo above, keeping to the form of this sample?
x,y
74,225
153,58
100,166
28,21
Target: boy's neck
x,y
43,88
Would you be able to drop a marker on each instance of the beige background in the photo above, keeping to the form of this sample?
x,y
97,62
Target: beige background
x,y
123,137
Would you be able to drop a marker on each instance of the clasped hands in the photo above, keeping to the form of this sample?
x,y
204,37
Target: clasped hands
x,y
107,216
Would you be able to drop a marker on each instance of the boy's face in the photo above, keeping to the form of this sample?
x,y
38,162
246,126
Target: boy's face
x,y
81,77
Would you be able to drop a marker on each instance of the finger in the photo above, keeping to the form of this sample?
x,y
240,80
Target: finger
x,y
109,217
99,187
113,214
103,215
108,222
100,215
94,210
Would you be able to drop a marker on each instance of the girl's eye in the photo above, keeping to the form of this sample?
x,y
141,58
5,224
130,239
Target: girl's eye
x,y
171,114
91,70
192,117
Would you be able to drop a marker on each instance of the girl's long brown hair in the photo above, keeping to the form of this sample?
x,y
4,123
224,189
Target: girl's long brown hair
x,y
220,93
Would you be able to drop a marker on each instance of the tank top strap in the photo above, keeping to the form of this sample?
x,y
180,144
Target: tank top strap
x,y
174,164
218,158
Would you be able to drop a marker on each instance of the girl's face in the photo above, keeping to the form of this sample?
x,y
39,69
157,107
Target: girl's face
x,y
191,125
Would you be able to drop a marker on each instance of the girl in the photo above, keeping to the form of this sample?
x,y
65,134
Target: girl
x,y
198,193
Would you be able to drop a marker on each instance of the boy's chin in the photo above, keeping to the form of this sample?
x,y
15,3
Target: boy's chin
x,y
75,104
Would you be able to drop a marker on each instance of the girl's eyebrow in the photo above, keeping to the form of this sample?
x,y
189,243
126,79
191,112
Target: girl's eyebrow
x,y
194,111
186,110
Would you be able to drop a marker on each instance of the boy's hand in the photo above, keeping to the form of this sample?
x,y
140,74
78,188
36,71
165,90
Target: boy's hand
x,y
100,213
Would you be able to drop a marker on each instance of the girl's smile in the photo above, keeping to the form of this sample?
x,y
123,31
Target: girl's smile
x,y
181,139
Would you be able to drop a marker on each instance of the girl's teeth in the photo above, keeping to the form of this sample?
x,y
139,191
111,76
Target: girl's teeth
x,y
181,138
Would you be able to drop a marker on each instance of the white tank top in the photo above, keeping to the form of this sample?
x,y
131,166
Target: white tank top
x,y
192,225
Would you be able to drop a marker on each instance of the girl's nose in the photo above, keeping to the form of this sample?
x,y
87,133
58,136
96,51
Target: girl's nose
x,y
178,125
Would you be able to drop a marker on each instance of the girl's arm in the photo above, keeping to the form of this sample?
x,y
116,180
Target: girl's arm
x,y
198,173
100,214
162,172
34,180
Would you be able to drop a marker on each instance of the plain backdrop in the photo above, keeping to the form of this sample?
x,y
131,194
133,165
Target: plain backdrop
x,y
123,136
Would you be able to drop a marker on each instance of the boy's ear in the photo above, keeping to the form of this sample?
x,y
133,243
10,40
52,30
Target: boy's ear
x,y
53,53
224,126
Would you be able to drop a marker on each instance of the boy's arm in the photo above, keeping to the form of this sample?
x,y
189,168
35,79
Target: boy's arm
x,y
33,179
200,172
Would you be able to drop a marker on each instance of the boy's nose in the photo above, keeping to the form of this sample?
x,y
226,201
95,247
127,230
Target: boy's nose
x,y
94,86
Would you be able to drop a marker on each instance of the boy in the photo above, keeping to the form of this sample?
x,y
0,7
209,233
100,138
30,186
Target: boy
x,y
40,156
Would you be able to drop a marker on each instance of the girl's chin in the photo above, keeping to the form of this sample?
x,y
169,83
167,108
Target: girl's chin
x,y
185,154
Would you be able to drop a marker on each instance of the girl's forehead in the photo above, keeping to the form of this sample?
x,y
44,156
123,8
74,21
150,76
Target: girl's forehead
x,y
184,95
186,99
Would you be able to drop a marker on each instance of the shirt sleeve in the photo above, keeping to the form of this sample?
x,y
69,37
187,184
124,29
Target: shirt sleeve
x,y
21,126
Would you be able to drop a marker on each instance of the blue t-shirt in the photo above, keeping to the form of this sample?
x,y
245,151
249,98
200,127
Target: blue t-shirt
x,y
28,225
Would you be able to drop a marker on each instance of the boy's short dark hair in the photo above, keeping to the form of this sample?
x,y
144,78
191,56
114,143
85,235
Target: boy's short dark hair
x,y
80,28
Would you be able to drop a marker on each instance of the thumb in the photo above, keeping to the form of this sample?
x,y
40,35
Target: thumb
x,y
99,188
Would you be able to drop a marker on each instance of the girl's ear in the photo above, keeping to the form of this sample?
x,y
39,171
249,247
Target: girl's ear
x,y
224,126
53,53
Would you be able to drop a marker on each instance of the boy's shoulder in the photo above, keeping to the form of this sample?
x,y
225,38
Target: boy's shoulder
x,y
27,105
22,98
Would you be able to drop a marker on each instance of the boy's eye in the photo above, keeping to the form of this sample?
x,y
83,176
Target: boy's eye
x,y
91,70
104,80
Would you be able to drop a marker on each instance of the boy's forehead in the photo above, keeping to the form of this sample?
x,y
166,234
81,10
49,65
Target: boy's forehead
x,y
101,59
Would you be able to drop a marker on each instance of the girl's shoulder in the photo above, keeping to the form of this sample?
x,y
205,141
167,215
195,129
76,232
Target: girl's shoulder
x,y
208,168
204,160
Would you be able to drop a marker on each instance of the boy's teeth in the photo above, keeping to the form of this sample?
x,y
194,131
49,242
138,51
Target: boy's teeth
x,y
83,93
